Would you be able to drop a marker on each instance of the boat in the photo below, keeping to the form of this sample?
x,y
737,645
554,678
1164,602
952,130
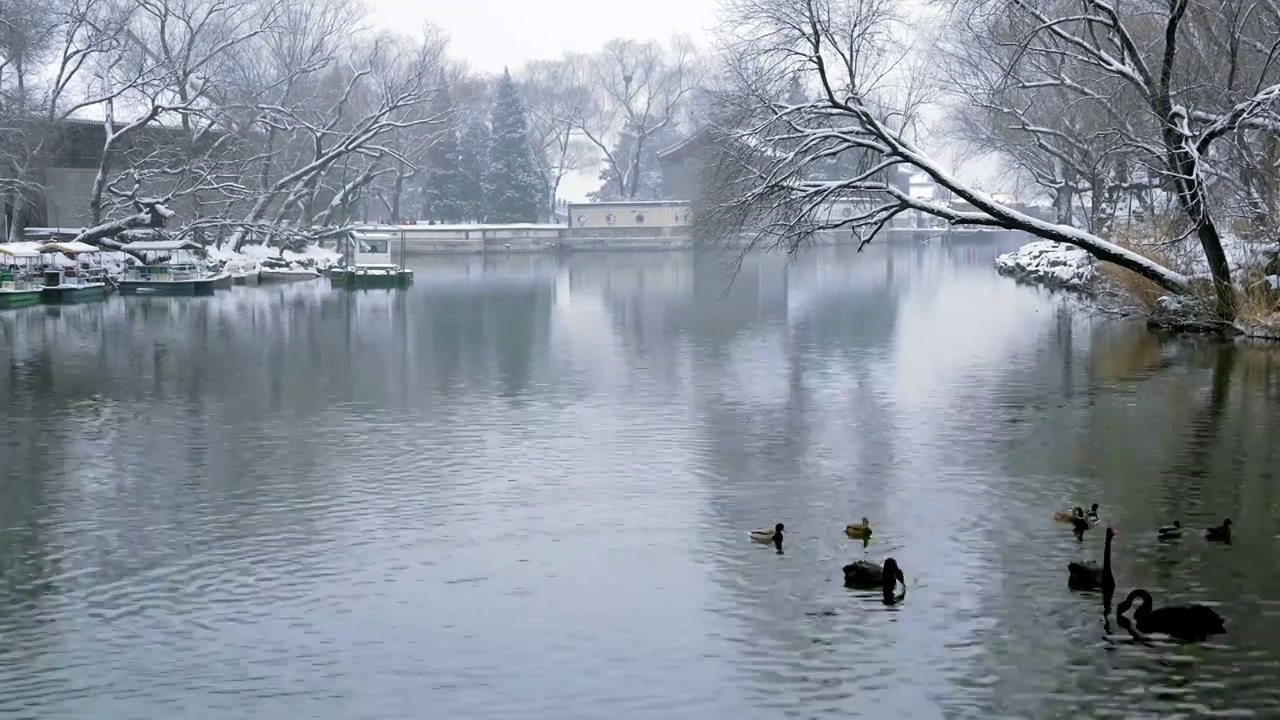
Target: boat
x,y
75,283
367,262
19,277
223,280
245,277
170,267
286,274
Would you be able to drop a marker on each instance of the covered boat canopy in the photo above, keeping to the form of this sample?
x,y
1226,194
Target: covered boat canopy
x,y
19,250
70,247
161,245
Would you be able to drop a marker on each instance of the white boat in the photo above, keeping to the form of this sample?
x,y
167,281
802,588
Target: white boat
x,y
287,274
19,275
71,283
173,267
368,262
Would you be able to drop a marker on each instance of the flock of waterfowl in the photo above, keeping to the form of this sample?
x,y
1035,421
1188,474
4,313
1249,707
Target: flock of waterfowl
x,y
863,574
1186,622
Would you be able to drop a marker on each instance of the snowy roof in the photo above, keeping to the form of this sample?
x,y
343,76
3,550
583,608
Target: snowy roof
x,y
70,247
19,250
161,245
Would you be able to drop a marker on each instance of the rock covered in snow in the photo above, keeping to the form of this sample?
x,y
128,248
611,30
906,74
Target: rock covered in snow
x,y
1050,263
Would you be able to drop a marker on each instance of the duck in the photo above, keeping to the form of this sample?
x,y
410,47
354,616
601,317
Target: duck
x,y
1222,533
866,575
1066,517
861,531
1088,576
1170,532
1092,515
1185,622
769,536
1078,526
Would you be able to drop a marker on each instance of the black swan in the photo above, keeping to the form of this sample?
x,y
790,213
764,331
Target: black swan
x,y
1171,532
1186,622
1222,533
867,575
1088,576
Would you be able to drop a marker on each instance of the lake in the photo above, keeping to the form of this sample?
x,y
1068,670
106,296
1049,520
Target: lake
x,y
523,489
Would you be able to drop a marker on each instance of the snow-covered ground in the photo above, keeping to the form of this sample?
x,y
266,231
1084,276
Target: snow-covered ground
x,y
1060,265
1049,263
249,259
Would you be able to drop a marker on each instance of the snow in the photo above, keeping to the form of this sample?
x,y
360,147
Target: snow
x,y
161,245
21,249
71,246
1050,263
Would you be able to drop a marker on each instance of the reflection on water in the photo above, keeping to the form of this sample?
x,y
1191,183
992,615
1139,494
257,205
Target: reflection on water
x,y
522,489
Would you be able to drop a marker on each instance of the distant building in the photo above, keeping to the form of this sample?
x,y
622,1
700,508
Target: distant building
x,y
630,214
681,165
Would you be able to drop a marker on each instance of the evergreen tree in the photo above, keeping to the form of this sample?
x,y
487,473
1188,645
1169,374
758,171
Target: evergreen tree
x,y
649,185
473,180
514,185
441,182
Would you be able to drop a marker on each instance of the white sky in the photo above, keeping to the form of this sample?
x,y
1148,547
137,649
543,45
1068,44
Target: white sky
x,y
491,34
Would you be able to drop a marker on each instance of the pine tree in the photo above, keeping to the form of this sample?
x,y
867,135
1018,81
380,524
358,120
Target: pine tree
x,y
649,185
441,182
514,192
473,180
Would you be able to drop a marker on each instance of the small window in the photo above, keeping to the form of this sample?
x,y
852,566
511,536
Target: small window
x,y
639,218
847,212
611,219
582,219
686,219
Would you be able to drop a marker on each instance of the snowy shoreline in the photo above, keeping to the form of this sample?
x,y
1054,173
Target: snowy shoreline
x,y
1052,264
1060,266
250,259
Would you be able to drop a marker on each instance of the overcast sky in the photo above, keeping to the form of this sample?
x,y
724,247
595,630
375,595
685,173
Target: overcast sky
x,y
491,34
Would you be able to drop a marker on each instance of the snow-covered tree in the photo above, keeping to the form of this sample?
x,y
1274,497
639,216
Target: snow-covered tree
x,y
647,185
513,194
642,89
473,163
441,179
854,52
557,96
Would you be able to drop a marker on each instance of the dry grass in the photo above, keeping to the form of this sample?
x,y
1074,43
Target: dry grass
x,y
1141,291
1256,302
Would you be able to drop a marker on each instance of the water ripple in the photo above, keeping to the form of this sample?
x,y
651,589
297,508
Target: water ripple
x,y
527,494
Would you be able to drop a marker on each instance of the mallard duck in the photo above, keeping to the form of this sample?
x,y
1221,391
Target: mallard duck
x,y
1170,532
1066,517
866,575
769,536
1222,533
1078,526
861,531
1089,576
1188,622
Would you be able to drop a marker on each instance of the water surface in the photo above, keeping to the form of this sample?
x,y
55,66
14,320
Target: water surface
x,y
522,489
